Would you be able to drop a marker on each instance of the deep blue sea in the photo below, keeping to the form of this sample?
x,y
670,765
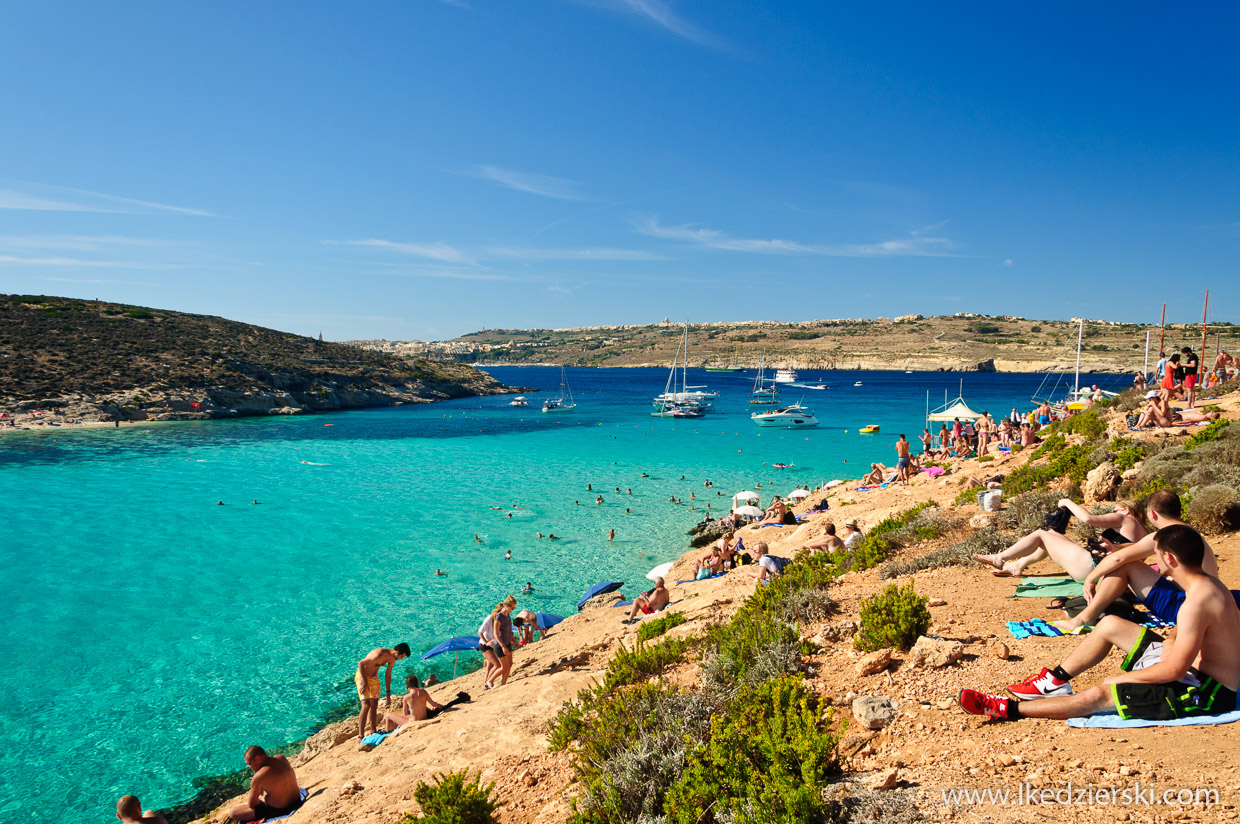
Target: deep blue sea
x,y
150,634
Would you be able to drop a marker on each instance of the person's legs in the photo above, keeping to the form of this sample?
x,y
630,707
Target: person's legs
x,y
392,720
1108,588
242,813
492,667
1074,558
1093,700
1110,632
368,717
505,668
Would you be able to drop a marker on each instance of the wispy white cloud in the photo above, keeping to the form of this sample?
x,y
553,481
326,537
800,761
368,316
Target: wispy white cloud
x,y
47,198
78,243
661,14
583,253
557,289
435,251
1008,263
76,262
446,274
558,188
916,244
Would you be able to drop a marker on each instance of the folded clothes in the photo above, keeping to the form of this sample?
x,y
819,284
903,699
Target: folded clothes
x,y
1112,721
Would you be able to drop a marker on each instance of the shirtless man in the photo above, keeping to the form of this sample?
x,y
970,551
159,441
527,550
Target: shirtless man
x,y
1220,365
927,442
828,543
650,602
273,789
902,460
414,703
774,513
367,680
1125,569
1194,673
1075,559
129,810
877,473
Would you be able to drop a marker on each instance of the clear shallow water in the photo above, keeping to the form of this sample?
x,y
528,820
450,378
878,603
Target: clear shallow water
x,y
151,635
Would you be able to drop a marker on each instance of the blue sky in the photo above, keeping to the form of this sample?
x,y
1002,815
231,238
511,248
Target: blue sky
x,y
421,169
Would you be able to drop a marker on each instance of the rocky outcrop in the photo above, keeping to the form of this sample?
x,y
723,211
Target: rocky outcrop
x,y
1101,483
935,652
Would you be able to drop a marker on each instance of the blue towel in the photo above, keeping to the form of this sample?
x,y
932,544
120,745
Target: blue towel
x,y
1025,629
694,580
628,603
376,738
1112,721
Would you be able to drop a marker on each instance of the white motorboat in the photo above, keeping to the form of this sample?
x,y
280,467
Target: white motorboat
x,y
858,383
565,402
785,376
519,400
789,417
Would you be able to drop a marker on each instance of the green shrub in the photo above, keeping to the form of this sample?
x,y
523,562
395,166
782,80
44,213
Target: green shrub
x,y
1129,457
1214,510
656,627
895,617
966,496
642,662
1210,432
1072,462
985,458
140,314
453,799
879,542
768,759
981,542
1050,446
1017,448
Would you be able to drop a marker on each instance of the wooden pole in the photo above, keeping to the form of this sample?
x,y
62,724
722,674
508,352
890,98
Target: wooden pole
x,y
1162,332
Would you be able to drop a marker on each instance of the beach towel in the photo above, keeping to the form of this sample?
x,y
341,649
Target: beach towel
x,y
1054,587
376,738
1026,629
694,581
933,471
1112,721
627,603
864,488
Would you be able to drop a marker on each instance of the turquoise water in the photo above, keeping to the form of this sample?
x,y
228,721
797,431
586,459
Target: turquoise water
x,y
151,634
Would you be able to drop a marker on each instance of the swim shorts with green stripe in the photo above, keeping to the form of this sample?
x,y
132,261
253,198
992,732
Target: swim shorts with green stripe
x,y
1195,694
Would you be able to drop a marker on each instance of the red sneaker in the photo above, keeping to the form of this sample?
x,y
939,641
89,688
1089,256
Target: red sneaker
x,y
1041,685
981,703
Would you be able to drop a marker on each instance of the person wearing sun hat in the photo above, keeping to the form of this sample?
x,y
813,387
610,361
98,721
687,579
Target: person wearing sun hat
x,y
852,534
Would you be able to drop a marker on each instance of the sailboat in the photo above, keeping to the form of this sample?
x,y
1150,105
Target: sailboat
x,y
731,367
565,402
763,394
685,401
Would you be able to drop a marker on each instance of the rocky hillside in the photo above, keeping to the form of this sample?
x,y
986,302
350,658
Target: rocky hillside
x,y
958,342
107,360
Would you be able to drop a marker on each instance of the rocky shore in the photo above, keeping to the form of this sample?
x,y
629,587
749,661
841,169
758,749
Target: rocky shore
x,y
904,745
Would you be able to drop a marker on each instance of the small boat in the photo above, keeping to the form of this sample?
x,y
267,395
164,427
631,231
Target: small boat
x,y
761,393
565,402
789,417
858,383
786,376
684,401
869,430
519,400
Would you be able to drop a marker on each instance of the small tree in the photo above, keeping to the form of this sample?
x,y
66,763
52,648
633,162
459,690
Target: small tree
x,y
895,617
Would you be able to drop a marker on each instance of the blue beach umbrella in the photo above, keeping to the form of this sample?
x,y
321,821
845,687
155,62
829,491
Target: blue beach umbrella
x,y
459,644
599,589
546,620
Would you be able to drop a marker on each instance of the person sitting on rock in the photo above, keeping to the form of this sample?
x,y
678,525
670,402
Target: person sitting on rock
x,y
129,810
651,601
273,789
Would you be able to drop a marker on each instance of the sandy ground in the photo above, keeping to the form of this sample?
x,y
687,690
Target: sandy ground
x,y
932,745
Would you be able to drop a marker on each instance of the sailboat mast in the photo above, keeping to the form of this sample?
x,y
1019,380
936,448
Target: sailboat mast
x,y
1201,364
684,367
1162,332
1146,370
1080,334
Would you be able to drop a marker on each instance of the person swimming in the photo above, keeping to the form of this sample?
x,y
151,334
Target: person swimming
x,y
441,572
529,586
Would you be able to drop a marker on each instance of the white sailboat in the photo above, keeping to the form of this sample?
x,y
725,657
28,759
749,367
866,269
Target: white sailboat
x,y
763,394
685,401
565,402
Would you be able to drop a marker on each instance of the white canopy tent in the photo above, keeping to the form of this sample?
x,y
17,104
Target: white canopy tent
x,y
950,411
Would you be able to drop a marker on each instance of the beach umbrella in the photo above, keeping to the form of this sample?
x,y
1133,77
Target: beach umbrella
x,y
457,645
547,620
749,511
746,496
599,589
660,571
799,494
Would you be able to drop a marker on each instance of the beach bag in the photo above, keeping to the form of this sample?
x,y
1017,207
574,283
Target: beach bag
x,y
780,563
989,500
1131,420
1058,520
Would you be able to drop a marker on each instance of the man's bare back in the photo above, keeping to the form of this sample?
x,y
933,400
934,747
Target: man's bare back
x,y
278,782
1210,609
377,658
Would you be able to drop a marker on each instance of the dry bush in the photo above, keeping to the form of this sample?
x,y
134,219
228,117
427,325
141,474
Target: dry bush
x,y
1215,510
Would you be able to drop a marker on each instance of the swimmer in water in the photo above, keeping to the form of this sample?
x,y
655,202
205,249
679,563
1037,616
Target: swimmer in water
x,y
440,572
508,555
477,540
253,503
589,487
599,499
539,535
630,492
644,475
628,512
219,503
611,534
529,587
552,537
